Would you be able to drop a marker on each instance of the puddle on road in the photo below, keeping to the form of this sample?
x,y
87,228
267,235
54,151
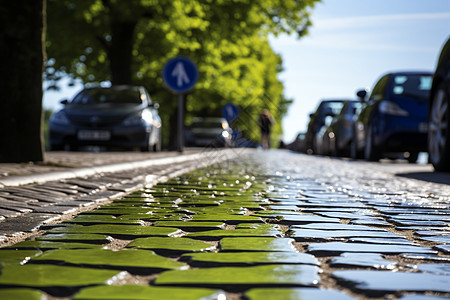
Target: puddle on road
x,y
242,228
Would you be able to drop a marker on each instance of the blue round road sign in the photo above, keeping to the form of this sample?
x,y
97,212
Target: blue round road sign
x,y
180,74
230,111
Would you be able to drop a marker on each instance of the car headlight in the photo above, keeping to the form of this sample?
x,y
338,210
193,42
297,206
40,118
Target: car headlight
x,y
59,117
144,117
226,134
391,108
147,116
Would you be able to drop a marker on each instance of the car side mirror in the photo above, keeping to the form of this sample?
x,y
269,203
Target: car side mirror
x,y
361,94
154,105
64,101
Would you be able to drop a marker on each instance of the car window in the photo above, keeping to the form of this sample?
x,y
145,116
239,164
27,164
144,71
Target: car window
x,y
98,96
412,85
330,108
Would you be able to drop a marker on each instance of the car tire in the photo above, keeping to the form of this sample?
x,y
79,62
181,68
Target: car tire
x,y
439,129
148,147
412,158
157,146
371,152
57,147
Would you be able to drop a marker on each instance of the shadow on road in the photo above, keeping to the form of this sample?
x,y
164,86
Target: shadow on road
x,y
436,177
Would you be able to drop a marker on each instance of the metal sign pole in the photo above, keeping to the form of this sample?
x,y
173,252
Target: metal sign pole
x,y
180,143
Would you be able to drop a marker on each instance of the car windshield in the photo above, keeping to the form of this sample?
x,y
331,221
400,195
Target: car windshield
x,y
98,96
331,108
416,86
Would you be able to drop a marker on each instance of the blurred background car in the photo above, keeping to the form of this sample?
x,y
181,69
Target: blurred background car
x,y
338,136
317,120
393,122
209,131
439,113
321,144
119,116
296,144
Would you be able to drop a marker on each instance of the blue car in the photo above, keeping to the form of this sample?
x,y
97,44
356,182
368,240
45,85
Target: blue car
x,y
394,120
439,126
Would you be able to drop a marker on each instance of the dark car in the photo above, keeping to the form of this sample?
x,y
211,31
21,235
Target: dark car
x,y
339,135
209,131
118,116
439,117
296,144
317,120
393,122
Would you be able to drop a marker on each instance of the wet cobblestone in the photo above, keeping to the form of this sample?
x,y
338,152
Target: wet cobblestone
x,y
267,225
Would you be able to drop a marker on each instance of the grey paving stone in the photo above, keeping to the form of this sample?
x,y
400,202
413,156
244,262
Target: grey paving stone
x,y
395,241
295,294
315,234
418,223
436,268
333,248
8,213
300,219
12,197
336,226
55,209
422,217
421,297
431,232
363,260
346,215
382,282
371,222
25,223
87,184
426,257
442,239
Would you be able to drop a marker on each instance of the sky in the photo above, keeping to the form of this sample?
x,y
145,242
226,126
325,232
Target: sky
x,y
349,46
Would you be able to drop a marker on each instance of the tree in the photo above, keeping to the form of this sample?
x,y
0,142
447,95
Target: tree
x,y
129,42
22,24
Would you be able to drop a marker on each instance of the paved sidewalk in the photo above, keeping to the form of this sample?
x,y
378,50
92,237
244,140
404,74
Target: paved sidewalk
x,y
35,195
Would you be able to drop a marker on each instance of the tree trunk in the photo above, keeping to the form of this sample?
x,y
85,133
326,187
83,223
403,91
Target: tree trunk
x,y
22,27
120,51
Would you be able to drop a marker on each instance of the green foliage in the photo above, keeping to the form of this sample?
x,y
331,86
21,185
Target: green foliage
x,y
226,38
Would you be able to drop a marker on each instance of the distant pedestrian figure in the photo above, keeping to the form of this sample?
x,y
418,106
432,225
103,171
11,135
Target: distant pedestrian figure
x,y
265,123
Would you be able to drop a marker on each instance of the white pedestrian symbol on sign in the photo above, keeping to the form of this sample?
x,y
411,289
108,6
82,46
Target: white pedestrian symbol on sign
x,y
180,73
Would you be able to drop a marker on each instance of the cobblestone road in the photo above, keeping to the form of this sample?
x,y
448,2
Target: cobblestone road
x,y
264,225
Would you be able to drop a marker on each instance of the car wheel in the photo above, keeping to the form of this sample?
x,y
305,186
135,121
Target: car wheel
x,y
413,156
353,150
57,147
371,152
148,147
157,146
439,130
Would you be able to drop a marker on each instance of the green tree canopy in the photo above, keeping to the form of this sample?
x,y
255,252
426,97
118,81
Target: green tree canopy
x,y
128,42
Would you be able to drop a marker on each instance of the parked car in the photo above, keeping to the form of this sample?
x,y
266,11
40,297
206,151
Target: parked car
x,y
317,120
393,122
209,131
296,144
118,116
321,139
338,136
439,113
